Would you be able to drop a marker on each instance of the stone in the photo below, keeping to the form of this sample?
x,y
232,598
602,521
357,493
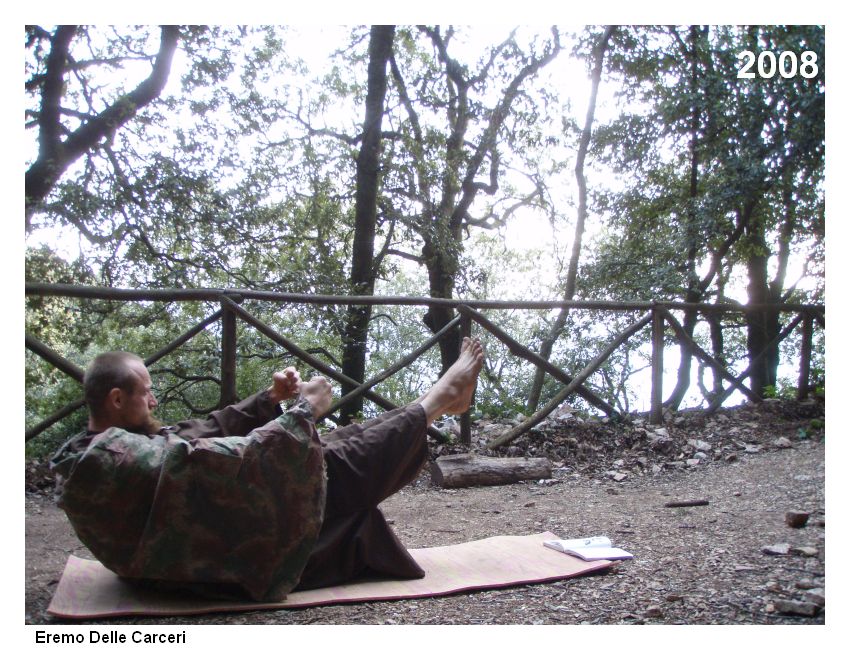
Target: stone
x,y
776,549
796,608
699,445
692,462
807,551
660,441
653,612
782,443
816,595
796,518
731,458
752,449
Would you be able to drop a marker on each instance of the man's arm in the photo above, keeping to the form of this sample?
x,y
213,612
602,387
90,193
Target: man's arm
x,y
243,417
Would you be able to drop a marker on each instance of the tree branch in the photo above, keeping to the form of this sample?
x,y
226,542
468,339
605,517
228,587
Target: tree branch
x,y
56,156
491,221
51,93
405,100
487,143
408,256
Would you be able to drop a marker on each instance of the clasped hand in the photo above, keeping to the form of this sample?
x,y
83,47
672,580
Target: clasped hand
x,y
288,384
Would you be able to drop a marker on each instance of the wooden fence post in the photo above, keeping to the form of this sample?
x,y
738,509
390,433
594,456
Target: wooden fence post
x,y
657,365
465,418
228,357
805,359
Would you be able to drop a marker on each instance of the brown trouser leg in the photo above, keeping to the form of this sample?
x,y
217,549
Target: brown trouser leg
x,y
365,464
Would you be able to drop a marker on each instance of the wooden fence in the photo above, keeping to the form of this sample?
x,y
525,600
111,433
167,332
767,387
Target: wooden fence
x,y
656,315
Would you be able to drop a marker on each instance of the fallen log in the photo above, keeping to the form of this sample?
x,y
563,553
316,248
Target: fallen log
x,y
468,470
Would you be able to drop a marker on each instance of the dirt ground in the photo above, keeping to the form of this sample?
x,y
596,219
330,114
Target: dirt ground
x,y
693,565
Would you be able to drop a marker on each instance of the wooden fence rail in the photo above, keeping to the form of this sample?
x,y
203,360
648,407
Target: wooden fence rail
x,y
656,314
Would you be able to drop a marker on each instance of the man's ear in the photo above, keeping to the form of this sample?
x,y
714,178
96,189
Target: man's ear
x,y
115,398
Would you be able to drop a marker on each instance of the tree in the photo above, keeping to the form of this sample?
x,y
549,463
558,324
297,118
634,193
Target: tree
x,y
86,127
704,197
363,270
436,175
786,125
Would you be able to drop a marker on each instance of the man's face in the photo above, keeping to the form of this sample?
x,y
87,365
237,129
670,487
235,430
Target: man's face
x,y
136,405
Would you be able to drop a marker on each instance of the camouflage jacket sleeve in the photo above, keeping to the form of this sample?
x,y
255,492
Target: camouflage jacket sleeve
x,y
234,420
229,510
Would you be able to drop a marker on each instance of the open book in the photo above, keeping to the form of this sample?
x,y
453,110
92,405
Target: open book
x,y
589,548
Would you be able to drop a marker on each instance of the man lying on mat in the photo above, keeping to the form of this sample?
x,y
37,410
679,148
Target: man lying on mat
x,y
250,501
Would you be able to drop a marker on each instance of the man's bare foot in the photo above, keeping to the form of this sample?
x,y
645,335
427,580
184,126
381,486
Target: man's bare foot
x,y
318,392
453,391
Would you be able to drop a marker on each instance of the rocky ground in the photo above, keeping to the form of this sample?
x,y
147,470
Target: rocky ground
x,y
734,560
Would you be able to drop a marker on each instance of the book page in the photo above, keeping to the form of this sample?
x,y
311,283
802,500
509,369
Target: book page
x,y
581,542
599,553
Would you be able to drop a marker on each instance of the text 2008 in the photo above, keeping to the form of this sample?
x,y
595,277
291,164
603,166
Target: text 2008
x,y
788,64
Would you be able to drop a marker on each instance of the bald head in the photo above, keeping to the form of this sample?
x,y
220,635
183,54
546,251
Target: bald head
x,y
118,392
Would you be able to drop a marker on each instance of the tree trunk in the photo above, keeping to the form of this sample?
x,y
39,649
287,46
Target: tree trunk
x,y
363,271
776,286
572,271
468,470
442,270
717,350
693,293
758,322
764,326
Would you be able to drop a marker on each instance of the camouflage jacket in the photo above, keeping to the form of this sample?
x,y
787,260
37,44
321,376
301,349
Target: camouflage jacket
x,y
233,501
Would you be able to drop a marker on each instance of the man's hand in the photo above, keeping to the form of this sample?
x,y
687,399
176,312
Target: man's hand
x,y
318,392
284,384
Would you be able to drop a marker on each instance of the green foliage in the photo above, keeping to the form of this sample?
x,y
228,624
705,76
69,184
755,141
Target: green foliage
x,y
242,176
743,135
